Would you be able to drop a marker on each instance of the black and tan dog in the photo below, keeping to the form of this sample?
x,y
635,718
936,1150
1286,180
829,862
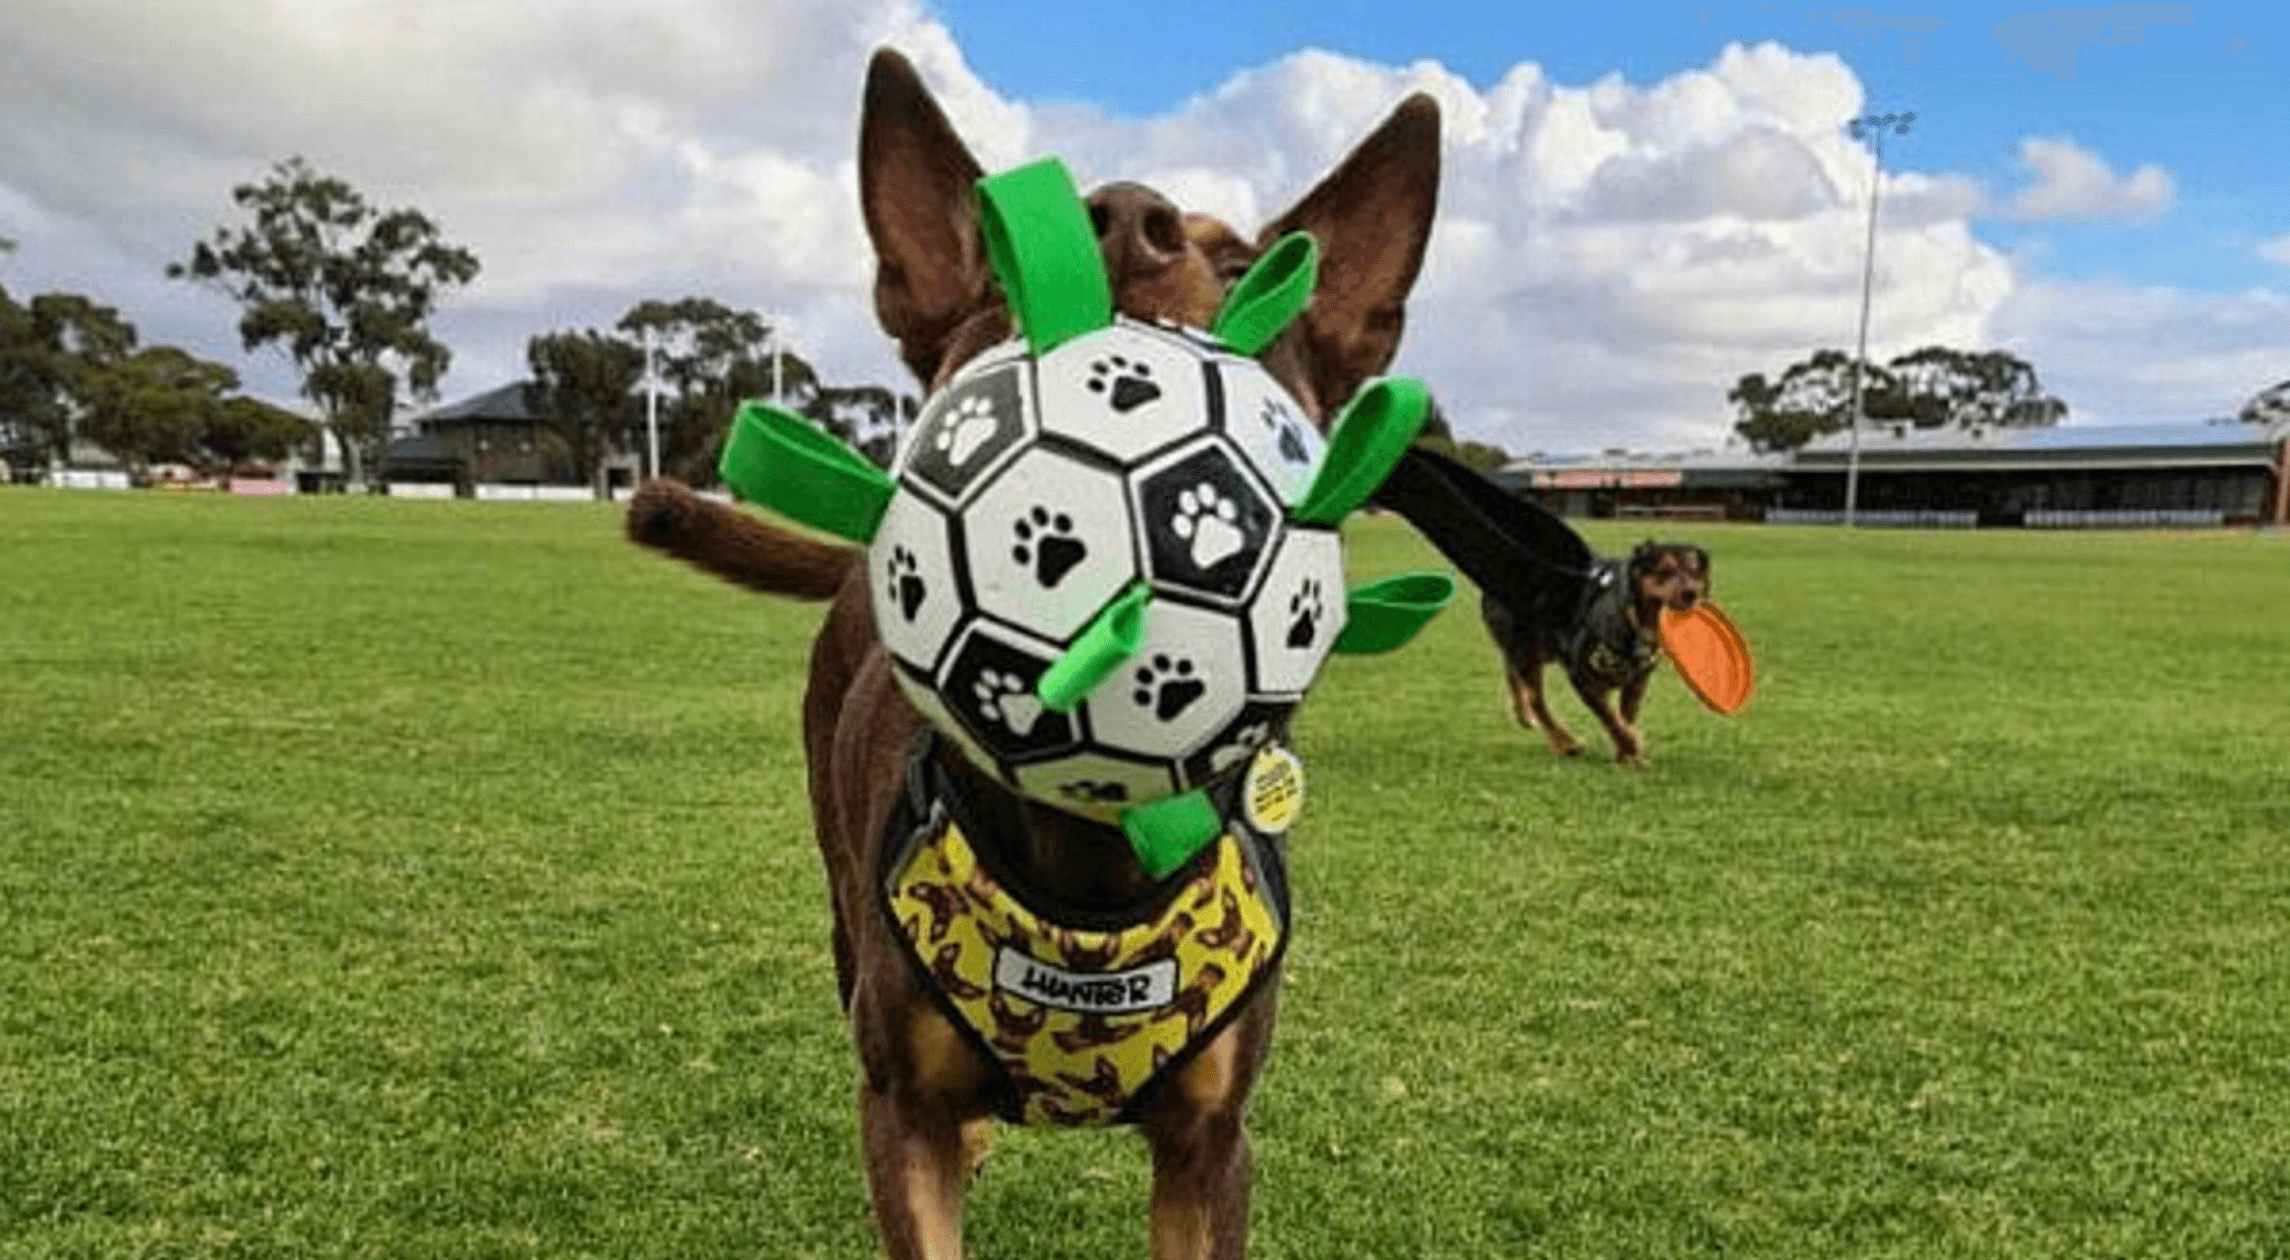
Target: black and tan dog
x,y
1608,641
925,1091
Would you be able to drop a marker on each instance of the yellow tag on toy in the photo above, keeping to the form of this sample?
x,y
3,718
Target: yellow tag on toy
x,y
1273,793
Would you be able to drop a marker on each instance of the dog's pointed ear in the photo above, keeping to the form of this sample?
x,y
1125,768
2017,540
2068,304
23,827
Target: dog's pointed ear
x,y
917,188
1372,217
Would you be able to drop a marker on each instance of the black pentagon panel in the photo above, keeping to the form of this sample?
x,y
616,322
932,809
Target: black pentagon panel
x,y
990,686
968,428
1206,524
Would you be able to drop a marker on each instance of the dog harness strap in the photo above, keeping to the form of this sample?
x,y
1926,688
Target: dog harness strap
x,y
1082,1023
1606,633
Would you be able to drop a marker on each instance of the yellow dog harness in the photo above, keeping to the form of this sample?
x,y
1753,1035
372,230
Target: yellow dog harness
x,y
1081,1021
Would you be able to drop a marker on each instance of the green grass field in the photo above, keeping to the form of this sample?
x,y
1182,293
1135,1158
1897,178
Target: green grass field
x,y
433,880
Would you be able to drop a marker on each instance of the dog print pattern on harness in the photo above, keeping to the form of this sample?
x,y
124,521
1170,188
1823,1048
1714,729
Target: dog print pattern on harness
x,y
1080,1022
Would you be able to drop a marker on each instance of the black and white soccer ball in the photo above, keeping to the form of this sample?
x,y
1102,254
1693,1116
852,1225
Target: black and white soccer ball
x,y
1031,493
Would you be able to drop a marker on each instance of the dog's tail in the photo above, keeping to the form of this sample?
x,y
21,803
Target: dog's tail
x,y
719,539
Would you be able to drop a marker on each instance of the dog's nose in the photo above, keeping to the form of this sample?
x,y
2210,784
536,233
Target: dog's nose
x,y
1140,230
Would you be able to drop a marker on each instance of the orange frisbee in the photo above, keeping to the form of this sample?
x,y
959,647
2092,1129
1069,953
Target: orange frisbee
x,y
1711,655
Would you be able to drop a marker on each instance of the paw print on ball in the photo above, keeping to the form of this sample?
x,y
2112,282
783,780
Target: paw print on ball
x,y
917,599
1186,682
1207,522
1265,421
1305,610
1287,431
1125,392
1046,543
907,589
1004,698
1300,615
1095,792
1166,685
990,684
967,430
1125,385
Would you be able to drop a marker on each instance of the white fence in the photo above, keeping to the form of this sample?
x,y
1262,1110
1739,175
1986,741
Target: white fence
x,y
529,494
2127,518
89,479
1911,519
492,492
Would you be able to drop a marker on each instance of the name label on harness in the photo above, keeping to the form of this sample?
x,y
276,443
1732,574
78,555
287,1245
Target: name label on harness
x,y
1146,988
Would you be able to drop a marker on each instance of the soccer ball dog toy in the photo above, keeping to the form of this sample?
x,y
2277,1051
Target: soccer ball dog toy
x,y
1106,563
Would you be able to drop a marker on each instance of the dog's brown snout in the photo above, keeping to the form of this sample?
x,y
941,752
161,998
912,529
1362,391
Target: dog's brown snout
x,y
1140,229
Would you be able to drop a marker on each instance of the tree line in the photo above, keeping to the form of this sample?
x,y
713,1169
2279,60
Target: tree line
x,y
1934,387
707,357
345,290
71,368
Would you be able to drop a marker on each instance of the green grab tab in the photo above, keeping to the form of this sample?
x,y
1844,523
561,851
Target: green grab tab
x,y
1167,833
782,461
1386,613
1273,292
1043,249
1113,636
1375,430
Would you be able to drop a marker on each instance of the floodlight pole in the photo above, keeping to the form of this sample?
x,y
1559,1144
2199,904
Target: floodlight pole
x,y
652,399
779,362
1873,126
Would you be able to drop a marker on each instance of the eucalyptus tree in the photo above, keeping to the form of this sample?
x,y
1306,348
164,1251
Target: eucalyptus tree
x,y
344,288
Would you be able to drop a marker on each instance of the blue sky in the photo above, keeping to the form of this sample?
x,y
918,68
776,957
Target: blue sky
x,y
2187,86
1640,202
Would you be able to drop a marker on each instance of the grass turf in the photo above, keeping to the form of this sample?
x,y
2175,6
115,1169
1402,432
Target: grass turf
x,y
433,880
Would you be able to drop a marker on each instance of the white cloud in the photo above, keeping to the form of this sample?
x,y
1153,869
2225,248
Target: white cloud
x,y
2073,183
1610,256
591,153
2276,250
2124,354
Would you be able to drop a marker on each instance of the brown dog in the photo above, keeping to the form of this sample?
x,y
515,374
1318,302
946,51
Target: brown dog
x,y
924,1091
1610,643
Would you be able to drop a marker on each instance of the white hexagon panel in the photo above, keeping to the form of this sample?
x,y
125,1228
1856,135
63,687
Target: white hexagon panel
x,y
1184,684
1205,525
1270,427
1048,543
1125,390
1095,784
969,428
918,602
1298,612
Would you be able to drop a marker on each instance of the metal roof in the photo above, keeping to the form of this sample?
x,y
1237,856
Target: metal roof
x,y
2052,446
515,402
1909,449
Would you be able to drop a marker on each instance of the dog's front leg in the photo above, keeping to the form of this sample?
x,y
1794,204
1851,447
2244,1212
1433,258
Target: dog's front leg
x,y
1629,750
1634,695
1199,1136
921,1120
